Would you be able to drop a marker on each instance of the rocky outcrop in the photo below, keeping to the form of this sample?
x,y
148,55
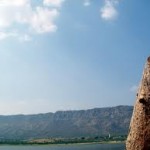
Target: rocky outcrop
x,y
139,131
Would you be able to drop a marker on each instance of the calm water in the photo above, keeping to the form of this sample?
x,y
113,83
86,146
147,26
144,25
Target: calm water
x,y
68,147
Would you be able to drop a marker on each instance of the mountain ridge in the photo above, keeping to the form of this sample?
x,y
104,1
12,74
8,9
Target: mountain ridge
x,y
70,123
69,110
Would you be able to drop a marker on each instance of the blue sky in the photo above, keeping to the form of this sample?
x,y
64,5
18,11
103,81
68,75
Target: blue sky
x,y
71,54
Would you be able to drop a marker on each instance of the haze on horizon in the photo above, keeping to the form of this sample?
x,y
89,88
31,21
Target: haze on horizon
x,y
71,55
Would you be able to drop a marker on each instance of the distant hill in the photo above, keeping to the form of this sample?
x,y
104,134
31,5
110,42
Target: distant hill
x,y
92,122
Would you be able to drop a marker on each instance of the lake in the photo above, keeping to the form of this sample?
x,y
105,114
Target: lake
x,y
67,147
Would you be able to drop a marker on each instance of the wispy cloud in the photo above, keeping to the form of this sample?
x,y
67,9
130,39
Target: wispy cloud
x,y
87,3
4,35
24,106
134,88
38,19
109,12
54,3
25,38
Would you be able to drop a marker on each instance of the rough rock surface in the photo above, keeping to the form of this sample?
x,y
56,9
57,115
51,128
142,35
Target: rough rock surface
x,y
139,131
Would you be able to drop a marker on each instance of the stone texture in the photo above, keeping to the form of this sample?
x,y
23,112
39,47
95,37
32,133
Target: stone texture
x,y
139,131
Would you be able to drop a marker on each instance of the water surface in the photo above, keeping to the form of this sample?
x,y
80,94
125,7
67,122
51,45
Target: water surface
x,y
67,147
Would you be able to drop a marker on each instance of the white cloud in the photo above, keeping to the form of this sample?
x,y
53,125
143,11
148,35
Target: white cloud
x,y
37,19
87,3
54,3
13,2
108,11
42,20
10,10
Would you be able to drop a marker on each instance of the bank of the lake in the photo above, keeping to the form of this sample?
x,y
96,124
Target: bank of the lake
x,y
75,140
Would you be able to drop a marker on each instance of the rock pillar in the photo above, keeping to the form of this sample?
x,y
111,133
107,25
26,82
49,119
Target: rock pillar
x,y
139,131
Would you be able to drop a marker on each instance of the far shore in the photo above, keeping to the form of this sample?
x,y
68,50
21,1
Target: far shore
x,y
79,143
114,139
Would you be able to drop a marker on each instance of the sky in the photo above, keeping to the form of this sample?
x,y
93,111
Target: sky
x,y
71,54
